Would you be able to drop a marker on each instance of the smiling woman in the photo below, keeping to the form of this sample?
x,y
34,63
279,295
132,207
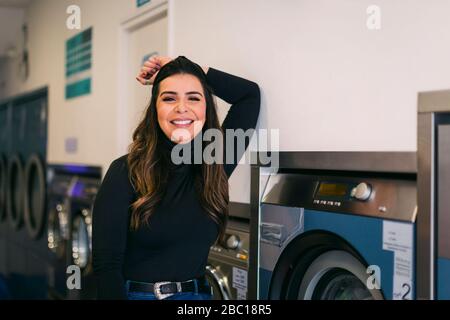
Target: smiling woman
x,y
154,220
183,107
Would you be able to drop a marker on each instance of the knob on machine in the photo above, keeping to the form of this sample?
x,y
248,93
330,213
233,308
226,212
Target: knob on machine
x,y
362,191
233,242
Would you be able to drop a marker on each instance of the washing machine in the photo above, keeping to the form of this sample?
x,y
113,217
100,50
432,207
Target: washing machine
x,y
227,266
59,182
23,139
82,196
34,154
25,118
72,190
327,233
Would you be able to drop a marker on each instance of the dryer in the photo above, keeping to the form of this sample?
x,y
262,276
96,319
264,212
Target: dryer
x,y
332,233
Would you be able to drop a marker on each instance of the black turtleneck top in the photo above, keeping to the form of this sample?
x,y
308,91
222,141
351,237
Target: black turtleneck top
x,y
175,244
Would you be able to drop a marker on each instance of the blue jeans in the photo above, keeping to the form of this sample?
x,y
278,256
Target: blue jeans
x,y
136,295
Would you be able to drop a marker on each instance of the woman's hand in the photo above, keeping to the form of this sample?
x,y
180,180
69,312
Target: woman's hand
x,y
151,68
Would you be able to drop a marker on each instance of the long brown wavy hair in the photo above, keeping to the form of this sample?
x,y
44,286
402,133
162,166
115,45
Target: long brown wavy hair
x,y
149,165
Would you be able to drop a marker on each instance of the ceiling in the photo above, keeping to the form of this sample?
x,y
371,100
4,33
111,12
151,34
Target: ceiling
x,y
14,3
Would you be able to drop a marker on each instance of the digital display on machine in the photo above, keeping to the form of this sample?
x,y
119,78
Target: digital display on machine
x,y
327,189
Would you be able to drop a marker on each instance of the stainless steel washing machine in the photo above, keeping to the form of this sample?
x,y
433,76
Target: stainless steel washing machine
x,y
228,263
72,192
82,196
334,226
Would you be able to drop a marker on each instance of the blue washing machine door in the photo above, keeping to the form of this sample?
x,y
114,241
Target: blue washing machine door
x,y
322,266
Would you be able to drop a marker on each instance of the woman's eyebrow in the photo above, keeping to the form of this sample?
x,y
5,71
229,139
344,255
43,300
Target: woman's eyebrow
x,y
194,92
175,93
167,92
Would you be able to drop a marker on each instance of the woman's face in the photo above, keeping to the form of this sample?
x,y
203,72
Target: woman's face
x,y
181,107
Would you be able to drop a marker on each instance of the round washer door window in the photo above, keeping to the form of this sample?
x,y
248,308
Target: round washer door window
x,y
34,200
339,284
218,283
14,192
337,275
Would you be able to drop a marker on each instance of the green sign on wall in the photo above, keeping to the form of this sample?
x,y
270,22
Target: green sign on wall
x,y
78,64
140,3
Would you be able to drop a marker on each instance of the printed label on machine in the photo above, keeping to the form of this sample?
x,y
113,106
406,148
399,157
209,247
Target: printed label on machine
x,y
240,282
398,238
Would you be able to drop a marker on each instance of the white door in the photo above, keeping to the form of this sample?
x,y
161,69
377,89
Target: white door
x,y
146,40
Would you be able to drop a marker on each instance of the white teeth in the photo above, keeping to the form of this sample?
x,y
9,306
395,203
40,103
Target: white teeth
x,y
182,122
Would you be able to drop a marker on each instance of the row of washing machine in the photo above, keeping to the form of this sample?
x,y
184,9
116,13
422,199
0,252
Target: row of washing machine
x,y
22,193
23,147
38,260
23,142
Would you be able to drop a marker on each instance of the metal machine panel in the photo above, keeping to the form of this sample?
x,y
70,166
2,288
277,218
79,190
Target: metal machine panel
x,y
433,182
394,162
443,177
375,197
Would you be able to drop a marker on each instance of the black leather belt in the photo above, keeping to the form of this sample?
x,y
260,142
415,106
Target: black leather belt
x,y
166,289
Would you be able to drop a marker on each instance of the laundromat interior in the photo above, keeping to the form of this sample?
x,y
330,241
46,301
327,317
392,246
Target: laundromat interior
x,y
354,118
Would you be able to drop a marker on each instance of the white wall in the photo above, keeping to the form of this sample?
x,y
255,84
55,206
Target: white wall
x,y
328,83
11,21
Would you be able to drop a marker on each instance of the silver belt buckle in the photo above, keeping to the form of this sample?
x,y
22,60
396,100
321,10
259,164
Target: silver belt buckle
x,y
157,289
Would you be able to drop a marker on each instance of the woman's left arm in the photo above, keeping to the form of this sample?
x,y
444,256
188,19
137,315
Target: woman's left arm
x,y
245,99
